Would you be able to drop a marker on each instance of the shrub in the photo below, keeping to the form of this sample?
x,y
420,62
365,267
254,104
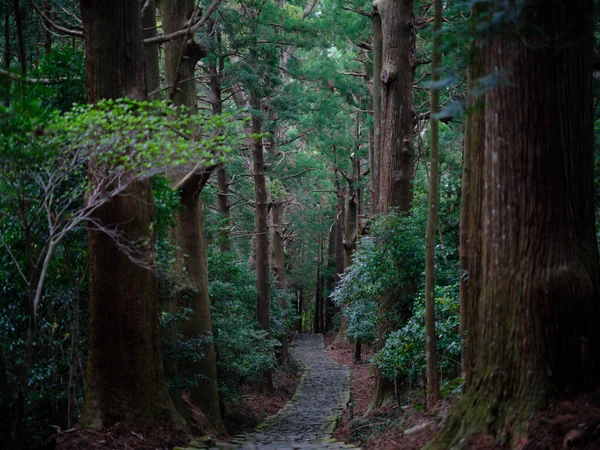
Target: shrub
x,y
403,356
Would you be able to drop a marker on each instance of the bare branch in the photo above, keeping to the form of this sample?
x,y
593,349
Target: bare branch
x,y
23,79
186,31
54,25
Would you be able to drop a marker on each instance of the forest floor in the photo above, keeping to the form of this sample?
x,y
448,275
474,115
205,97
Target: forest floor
x,y
252,409
391,427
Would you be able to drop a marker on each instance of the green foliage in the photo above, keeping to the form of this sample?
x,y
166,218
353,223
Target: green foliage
x,y
403,356
390,259
244,351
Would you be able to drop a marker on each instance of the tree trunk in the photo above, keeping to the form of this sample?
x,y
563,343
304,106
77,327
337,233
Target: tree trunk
x,y
536,336
74,356
278,264
7,46
125,379
396,125
318,303
20,37
261,230
471,206
357,351
376,156
5,416
433,384
151,51
190,235
181,57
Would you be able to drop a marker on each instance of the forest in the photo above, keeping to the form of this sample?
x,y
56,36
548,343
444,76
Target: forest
x,y
299,224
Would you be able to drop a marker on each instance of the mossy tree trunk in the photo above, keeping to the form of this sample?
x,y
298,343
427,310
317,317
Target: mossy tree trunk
x,y
532,336
181,56
396,142
125,379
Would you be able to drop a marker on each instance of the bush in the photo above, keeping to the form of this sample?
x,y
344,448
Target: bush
x,y
403,355
390,260
244,352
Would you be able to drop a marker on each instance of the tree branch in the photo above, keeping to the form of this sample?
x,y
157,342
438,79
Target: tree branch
x,y
185,31
54,25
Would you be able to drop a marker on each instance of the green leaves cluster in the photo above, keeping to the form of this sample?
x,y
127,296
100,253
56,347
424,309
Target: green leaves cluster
x,y
389,260
403,356
245,352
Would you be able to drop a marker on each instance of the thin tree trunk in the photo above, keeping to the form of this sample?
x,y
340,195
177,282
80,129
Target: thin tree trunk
x,y
261,230
20,37
433,384
125,378
72,386
4,400
7,47
151,51
356,356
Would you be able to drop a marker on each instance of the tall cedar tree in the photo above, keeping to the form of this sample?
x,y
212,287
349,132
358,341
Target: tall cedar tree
x,y
125,379
396,128
532,334
181,56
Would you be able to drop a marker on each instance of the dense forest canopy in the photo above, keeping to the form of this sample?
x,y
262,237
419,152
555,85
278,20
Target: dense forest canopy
x,y
185,185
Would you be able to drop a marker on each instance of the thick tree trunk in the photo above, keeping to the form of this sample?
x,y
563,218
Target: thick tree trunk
x,y
190,235
433,384
471,207
181,57
125,379
396,125
536,337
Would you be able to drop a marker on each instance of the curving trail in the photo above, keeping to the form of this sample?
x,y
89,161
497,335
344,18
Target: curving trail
x,y
308,420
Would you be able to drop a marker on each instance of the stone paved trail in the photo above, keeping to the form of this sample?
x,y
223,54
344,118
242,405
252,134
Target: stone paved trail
x,y
308,420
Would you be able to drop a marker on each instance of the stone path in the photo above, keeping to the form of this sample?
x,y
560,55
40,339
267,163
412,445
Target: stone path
x,y
308,420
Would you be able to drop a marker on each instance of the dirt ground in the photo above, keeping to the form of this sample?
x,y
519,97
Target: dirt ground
x,y
391,427
566,425
253,407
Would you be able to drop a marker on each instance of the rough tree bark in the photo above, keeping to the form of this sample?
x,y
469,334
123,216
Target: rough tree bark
x,y
125,379
181,56
470,215
535,324
261,229
396,126
376,154
433,384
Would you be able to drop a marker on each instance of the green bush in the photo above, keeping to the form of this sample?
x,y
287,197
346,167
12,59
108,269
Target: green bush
x,y
391,259
244,352
403,356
